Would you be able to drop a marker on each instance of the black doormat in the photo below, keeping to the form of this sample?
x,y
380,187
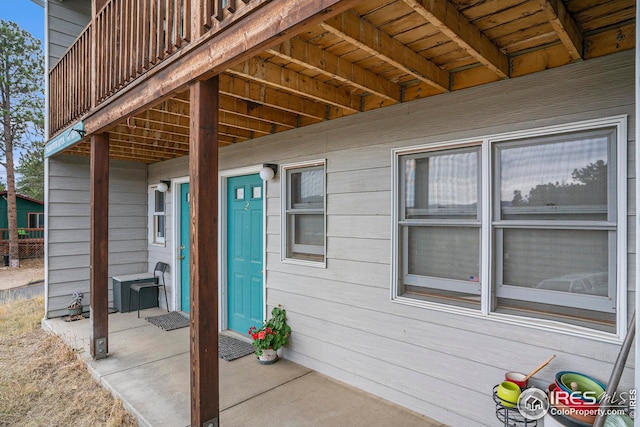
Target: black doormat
x,y
169,321
231,348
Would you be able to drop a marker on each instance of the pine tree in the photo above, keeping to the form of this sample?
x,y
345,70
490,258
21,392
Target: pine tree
x,y
21,109
31,170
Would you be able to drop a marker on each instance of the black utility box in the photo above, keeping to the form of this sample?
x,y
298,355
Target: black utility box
x,y
121,286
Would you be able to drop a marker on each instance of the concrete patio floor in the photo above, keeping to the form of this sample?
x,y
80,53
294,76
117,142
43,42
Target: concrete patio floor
x,y
148,369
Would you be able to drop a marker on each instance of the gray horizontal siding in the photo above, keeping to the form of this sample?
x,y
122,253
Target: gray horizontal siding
x,y
177,168
66,20
68,232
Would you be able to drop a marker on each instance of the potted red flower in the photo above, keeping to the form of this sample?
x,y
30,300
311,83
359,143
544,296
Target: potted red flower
x,y
273,334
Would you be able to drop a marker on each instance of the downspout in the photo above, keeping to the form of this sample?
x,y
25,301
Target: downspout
x,y
636,382
46,160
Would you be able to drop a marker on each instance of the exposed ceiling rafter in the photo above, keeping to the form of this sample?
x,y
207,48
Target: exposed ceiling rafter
x,y
310,56
448,20
565,26
287,80
362,34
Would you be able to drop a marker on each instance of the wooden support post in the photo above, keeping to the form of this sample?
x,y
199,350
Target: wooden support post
x,y
203,175
99,245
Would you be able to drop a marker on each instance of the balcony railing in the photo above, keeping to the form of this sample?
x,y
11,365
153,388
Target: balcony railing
x,y
70,83
126,39
132,37
23,233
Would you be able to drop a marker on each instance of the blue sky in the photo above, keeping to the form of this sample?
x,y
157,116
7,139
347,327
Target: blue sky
x,y
29,16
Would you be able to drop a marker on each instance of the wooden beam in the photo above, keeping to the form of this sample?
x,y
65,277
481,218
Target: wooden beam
x,y
311,56
145,149
167,138
287,80
257,111
250,110
99,246
203,175
256,92
364,35
564,25
232,118
273,23
614,40
446,18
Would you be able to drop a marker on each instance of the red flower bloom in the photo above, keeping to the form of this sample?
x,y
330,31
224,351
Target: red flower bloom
x,y
261,335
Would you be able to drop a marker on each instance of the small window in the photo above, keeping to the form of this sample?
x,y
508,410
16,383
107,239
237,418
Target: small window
x,y
157,216
36,220
304,212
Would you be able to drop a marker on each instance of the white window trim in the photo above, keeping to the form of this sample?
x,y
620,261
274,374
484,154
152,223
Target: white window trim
x,y
620,123
38,216
283,212
151,203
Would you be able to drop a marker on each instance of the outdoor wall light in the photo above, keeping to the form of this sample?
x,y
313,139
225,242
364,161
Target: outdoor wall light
x,y
163,186
268,171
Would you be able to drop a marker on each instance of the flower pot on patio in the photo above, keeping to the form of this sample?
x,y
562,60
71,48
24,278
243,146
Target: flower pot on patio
x,y
268,356
273,334
75,307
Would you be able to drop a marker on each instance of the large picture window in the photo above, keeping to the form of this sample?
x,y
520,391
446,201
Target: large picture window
x,y
304,212
530,224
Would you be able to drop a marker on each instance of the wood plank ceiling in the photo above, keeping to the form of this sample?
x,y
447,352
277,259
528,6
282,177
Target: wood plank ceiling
x,y
381,53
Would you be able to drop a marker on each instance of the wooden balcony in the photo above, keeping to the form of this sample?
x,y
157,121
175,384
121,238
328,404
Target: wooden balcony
x,y
125,40
290,63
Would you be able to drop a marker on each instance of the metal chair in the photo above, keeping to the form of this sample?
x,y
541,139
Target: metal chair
x,y
138,287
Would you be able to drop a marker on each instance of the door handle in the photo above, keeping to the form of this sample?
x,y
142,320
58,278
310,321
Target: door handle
x,y
181,257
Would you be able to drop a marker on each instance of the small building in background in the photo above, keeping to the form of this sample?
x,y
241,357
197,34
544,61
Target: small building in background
x,y
30,226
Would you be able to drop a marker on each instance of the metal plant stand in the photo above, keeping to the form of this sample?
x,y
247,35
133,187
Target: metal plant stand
x,y
510,417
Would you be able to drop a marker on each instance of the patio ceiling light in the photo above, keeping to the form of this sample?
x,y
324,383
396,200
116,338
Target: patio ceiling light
x,y
268,171
163,186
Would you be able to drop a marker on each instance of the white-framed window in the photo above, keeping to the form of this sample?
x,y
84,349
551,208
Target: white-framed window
x,y
304,212
157,226
529,225
35,220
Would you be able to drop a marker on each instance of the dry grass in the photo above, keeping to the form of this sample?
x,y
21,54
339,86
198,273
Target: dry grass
x,y
42,382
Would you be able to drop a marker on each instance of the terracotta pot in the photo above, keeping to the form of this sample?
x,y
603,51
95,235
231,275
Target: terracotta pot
x,y
268,356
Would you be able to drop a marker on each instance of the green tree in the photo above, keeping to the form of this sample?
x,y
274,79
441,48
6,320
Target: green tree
x,y
31,170
2,186
21,109
588,183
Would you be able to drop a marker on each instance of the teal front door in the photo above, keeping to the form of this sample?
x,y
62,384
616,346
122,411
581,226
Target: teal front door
x,y
185,288
244,253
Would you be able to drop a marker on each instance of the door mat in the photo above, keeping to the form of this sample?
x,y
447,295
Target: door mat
x,y
231,348
169,321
